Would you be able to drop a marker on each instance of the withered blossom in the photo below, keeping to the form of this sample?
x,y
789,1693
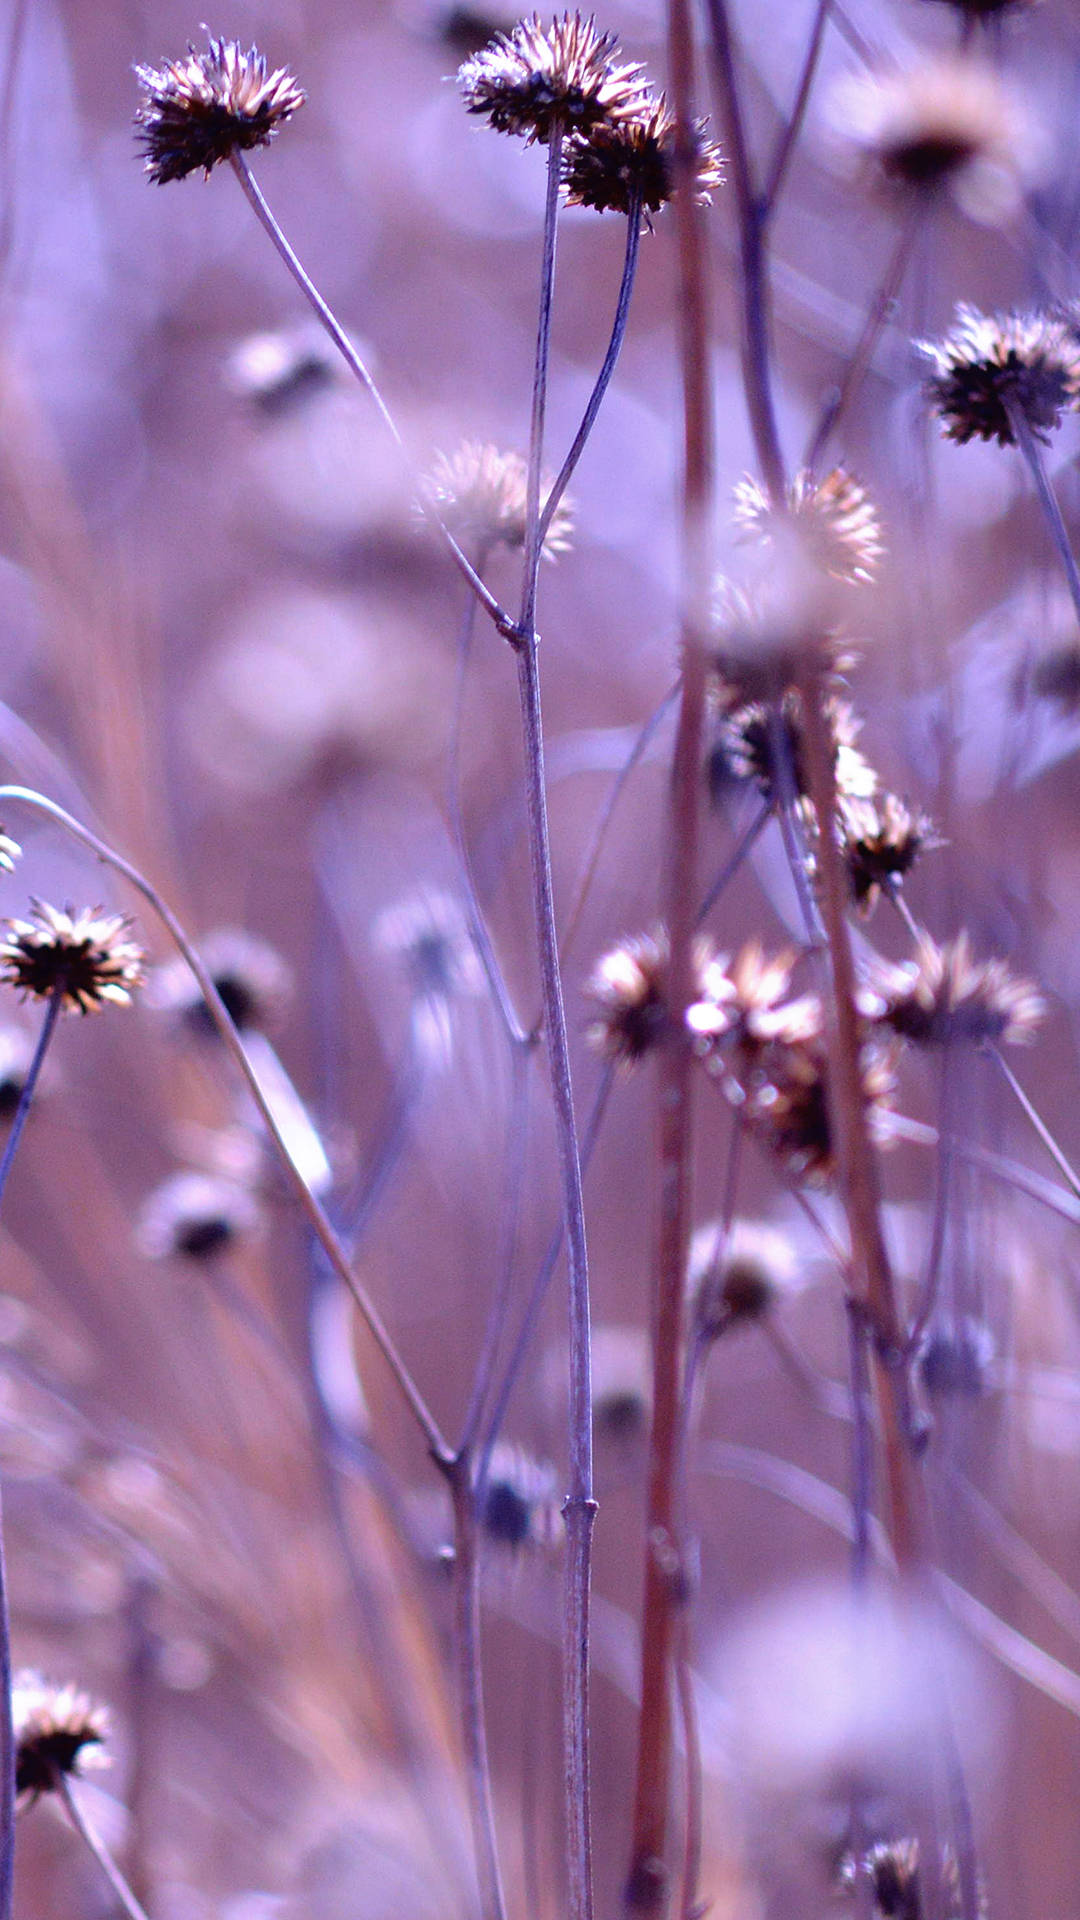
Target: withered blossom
x,y
880,838
945,996
631,161
892,1867
835,517
195,1216
275,371
946,125
737,1276
994,367
85,956
54,1727
763,630
250,976
953,1361
204,107
519,1505
628,988
746,749
541,77
479,493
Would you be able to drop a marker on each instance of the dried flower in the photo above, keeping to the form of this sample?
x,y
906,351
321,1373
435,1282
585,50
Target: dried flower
x,y
53,1727
10,851
84,956
881,839
539,77
948,125
632,160
763,630
519,1502
1056,676
945,995
991,368
430,935
251,978
622,1386
208,106
479,493
195,1216
749,736
629,988
893,1869
835,518
275,371
953,1361
736,1277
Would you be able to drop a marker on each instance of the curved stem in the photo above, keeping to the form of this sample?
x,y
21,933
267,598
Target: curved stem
x,y
732,864
474,1731
533,523
48,1026
258,203
603,378
1032,453
788,139
604,819
858,366
1037,1122
316,1217
97,1847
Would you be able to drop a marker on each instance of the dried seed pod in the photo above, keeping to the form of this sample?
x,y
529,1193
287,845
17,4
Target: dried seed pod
x,y
199,110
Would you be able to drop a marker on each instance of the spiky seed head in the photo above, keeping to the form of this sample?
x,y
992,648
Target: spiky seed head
x,y
519,1506
628,988
749,739
85,956
539,77
275,371
737,1277
430,936
835,518
201,109
633,160
945,996
947,125
54,1727
892,1867
479,493
195,1216
250,975
1056,676
992,367
881,839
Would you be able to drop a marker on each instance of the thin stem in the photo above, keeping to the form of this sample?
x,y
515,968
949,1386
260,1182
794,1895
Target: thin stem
x,y
234,1046
257,201
599,833
788,139
48,1026
511,1213
1032,452
731,866
97,1847
474,1732
603,378
579,1508
648,1885
752,223
877,314
1010,1172
533,524
1038,1123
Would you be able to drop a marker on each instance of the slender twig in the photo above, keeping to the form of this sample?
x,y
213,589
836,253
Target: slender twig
x,y
1038,1123
786,145
579,1507
97,1847
309,1203
603,378
738,854
517,1136
257,201
606,814
648,1884
1010,1172
877,315
48,1027
1032,452
467,1636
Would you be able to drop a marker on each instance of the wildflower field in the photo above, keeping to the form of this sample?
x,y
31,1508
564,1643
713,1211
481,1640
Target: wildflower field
x,y
539,981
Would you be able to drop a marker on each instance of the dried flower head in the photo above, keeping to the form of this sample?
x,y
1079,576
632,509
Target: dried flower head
x,y
631,161
86,957
945,995
201,109
835,518
750,737
479,493
994,367
953,1361
949,124
1056,676
10,851
881,839
250,976
53,1728
520,1505
629,990
893,1870
541,77
764,629
737,1277
622,1383
194,1216
277,370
